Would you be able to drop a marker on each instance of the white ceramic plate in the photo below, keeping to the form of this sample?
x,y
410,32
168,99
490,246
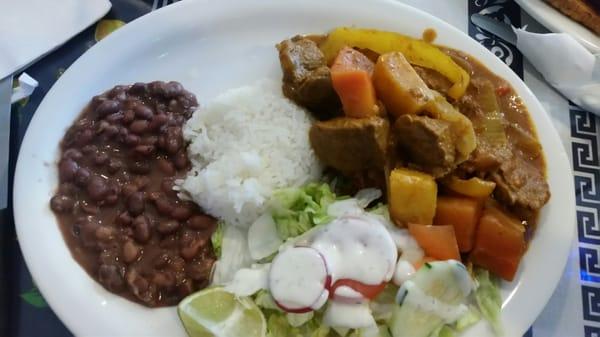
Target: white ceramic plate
x,y
557,22
209,47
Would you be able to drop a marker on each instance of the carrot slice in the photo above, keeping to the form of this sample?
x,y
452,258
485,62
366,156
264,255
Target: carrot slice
x,y
499,243
351,78
463,214
438,242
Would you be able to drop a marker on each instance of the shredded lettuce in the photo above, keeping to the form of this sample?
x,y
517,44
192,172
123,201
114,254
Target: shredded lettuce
x,y
488,299
217,239
471,317
296,210
383,305
278,326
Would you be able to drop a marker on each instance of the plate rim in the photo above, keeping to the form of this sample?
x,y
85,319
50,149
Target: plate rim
x,y
484,58
557,22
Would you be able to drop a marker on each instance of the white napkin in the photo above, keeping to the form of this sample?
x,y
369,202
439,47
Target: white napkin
x,y
31,28
566,65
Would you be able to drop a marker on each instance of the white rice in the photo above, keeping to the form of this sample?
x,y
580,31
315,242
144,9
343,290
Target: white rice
x,y
246,143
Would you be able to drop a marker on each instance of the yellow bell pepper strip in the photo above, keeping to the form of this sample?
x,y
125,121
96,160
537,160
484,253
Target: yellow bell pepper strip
x,y
474,187
417,52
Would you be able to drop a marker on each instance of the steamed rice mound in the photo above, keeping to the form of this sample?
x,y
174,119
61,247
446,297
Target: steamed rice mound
x,y
245,144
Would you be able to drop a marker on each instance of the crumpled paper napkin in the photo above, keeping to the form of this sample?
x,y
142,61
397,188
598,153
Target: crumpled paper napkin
x,y
31,28
565,64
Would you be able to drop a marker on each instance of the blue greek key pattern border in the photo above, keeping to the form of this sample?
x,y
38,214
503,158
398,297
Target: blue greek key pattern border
x,y
586,169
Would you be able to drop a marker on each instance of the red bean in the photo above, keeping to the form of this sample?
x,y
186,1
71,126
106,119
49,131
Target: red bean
x,y
84,136
180,160
104,233
136,203
168,226
132,140
107,107
190,250
67,169
164,206
141,229
181,213
166,166
158,120
200,222
115,118
143,112
164,279
137,88
139,126
62,203
124,219
128,116
141,182
73,154
114,190
131,251
129,189
97,188
90,148
144,150
149,140
111,131
82,176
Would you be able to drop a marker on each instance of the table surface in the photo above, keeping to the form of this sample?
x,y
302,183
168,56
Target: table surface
x,y
574,309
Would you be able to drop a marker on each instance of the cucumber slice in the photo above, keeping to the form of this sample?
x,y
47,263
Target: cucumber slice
x,y
433,297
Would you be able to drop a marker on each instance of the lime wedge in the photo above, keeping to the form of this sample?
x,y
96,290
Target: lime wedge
x,y
216,313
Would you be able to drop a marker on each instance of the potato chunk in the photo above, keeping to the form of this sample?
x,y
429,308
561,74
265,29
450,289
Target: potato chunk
x,y
399,86
412,197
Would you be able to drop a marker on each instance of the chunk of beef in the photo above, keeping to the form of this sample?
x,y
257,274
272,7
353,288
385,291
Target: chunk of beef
x,y
487,157
306,77
351,144
427,144
520,185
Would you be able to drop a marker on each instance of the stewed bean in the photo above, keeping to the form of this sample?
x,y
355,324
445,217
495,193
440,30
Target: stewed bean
x,y
116,204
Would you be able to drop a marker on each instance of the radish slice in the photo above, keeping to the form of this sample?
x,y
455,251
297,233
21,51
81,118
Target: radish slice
x,y
299,280
357,248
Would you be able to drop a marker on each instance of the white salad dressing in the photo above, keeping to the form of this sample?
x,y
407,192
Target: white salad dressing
x,y
298,279
357,249
404,271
